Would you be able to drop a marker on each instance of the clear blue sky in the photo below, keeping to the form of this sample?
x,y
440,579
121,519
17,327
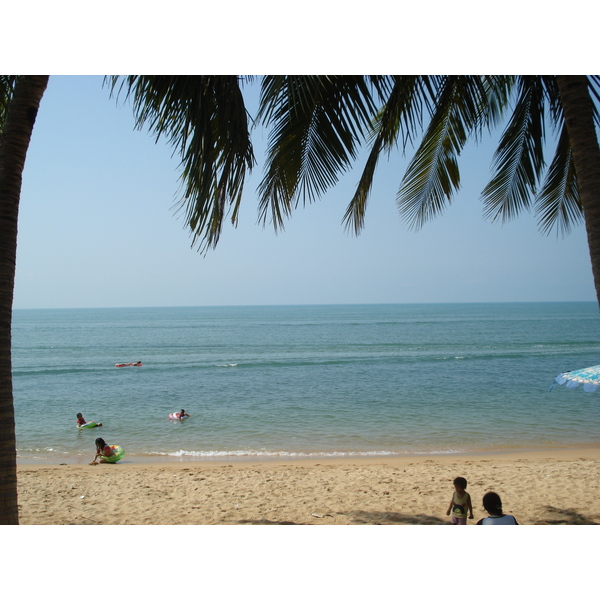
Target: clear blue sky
x,y
98,228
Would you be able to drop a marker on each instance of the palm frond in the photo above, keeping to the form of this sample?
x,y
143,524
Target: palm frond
x,y
7,87
317,124
400,117
498,90
204,119
552,94
594,88
552,98
557,203
519,159
432,176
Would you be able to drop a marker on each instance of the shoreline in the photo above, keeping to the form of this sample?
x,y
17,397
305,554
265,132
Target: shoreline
x,y
145,459
538,487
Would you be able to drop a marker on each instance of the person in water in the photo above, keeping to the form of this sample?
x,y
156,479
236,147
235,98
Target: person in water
x,y
81,421
177,416
493,505
460,503
103,450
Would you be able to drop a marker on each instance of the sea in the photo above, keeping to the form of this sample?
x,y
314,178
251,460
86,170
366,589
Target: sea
x,y
292,382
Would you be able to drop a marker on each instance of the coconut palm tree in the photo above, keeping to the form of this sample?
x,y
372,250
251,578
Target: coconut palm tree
x,y
203,117
581,124
318,123
19,102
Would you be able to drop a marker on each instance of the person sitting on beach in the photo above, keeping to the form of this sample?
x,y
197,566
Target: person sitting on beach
x,y
493,505
81,421
460,503
103,450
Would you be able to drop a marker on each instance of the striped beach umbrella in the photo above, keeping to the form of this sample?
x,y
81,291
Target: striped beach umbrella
x,y
589,378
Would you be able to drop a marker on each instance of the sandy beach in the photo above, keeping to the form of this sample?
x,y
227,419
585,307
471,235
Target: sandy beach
x,y
539,488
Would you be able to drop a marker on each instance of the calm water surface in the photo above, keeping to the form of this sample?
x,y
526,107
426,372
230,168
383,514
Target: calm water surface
x,y
286,381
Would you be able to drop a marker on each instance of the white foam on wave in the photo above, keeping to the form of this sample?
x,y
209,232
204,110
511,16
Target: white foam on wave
x,y
290,454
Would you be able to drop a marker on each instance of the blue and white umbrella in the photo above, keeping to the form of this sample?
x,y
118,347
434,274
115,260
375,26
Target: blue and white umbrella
x,y
589,378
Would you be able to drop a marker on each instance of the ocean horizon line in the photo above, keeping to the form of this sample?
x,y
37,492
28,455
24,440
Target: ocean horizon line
x,y
315,304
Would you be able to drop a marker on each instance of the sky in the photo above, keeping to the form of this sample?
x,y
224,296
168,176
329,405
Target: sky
x,y
98,227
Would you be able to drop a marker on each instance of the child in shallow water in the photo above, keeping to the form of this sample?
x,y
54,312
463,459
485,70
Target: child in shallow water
x,y
81,421
460,503
103,450
176,416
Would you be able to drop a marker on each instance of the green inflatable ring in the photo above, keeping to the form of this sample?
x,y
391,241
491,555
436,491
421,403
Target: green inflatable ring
x,y
118,454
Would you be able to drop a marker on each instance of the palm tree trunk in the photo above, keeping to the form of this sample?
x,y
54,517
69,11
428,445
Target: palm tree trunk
x,y
14,142
579,119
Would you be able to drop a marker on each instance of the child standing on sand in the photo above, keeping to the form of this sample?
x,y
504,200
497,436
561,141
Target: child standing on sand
x,y
460,503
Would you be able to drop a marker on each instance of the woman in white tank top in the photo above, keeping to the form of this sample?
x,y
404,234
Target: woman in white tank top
x,y
493,505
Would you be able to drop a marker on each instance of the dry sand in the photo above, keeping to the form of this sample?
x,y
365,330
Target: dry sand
x,y
546,487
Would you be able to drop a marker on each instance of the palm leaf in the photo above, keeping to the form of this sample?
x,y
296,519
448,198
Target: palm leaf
x,y
317,122
399,118
432,175
594,88
519,160
7,87
204,119
557,203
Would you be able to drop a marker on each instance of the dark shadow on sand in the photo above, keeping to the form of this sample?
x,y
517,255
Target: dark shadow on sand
x,y
363,517
267,522
564,516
